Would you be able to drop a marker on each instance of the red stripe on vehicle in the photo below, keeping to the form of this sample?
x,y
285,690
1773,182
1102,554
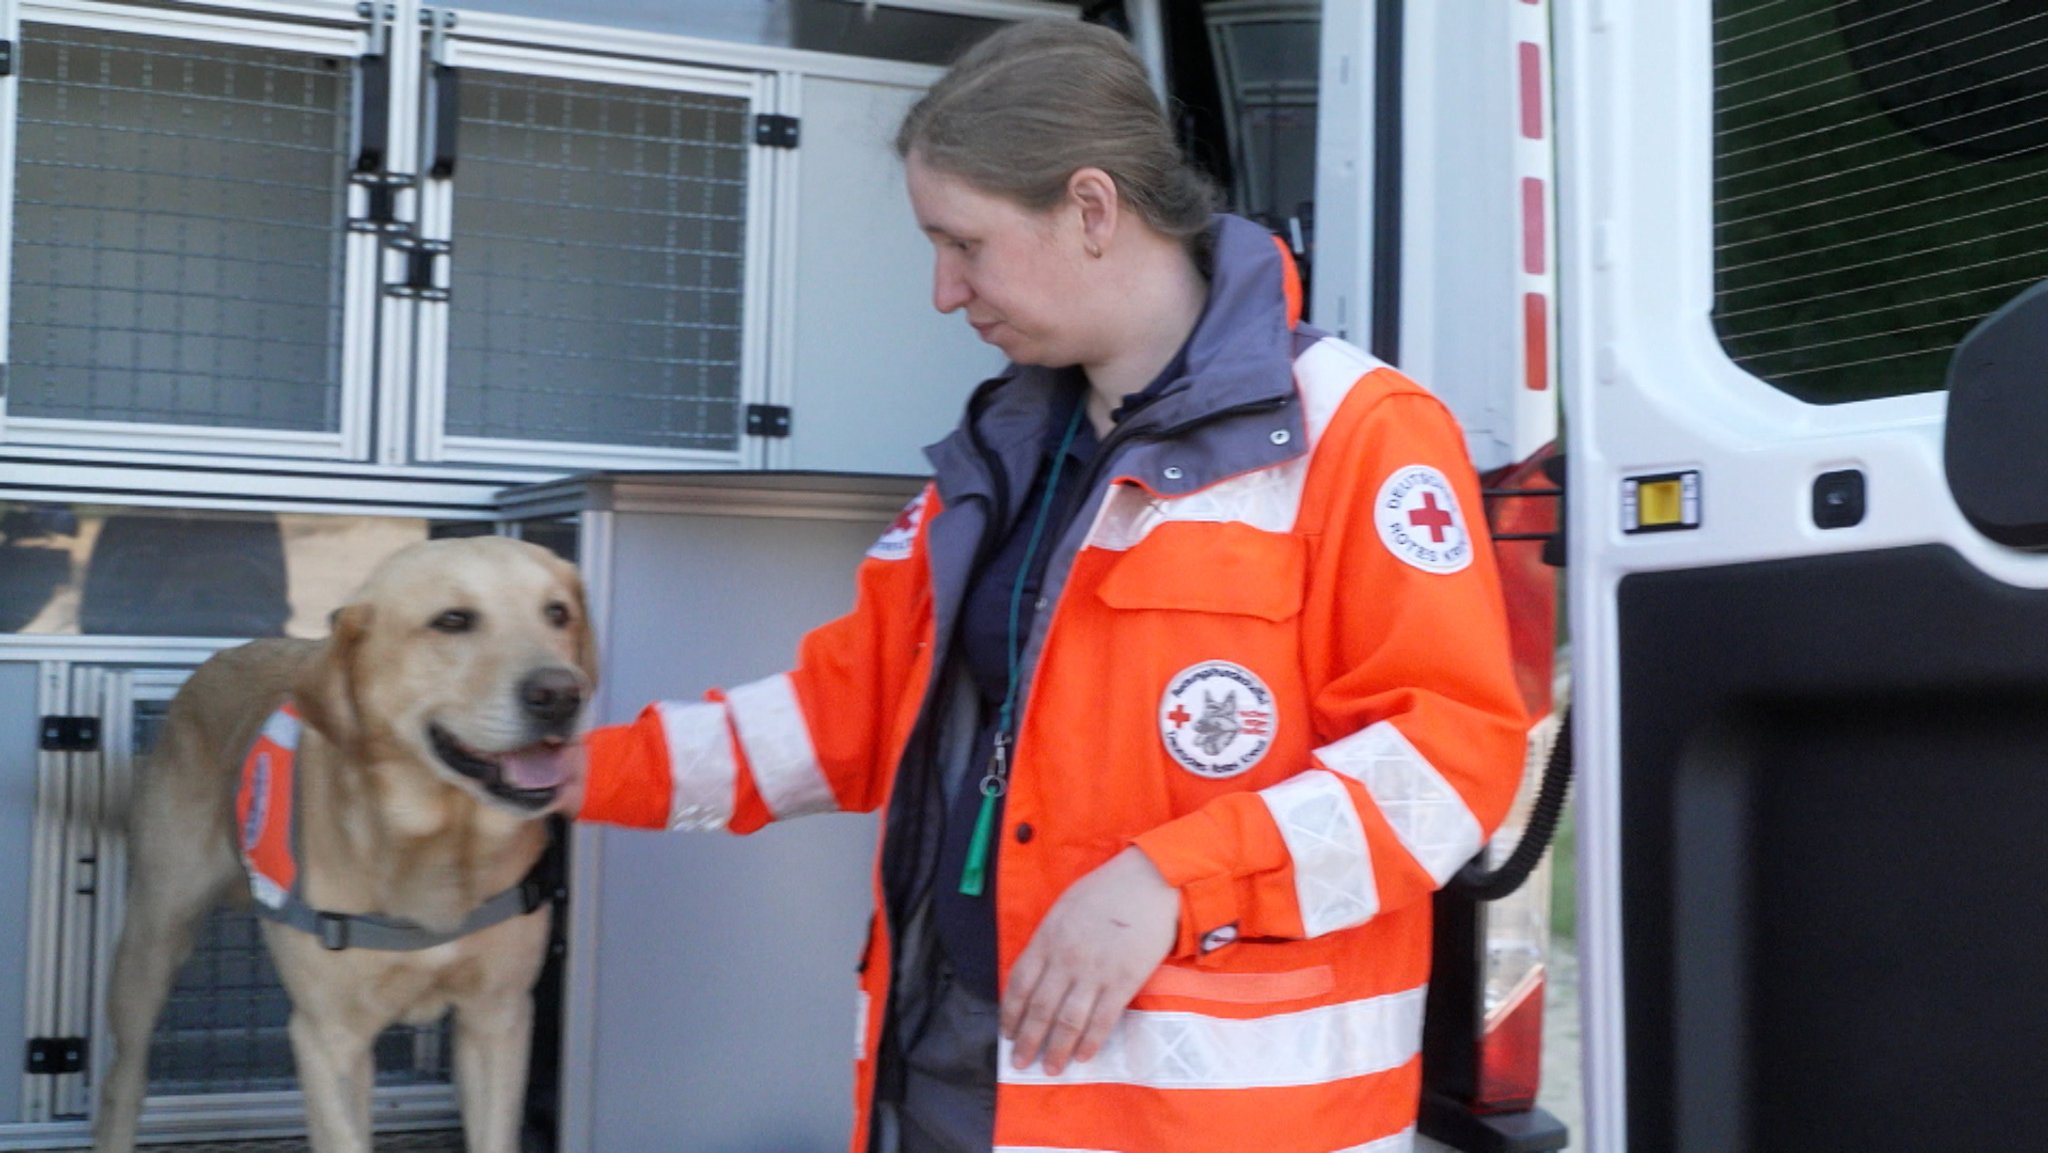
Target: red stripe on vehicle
x,y
1535,341
1532,91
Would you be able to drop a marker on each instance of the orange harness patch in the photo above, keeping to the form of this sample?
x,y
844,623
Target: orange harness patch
x,y
263,810
265,815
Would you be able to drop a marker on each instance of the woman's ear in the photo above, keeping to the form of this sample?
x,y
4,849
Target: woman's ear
x,y
1092,192
325,692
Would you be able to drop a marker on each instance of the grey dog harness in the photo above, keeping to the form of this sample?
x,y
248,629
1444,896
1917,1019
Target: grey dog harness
x,y
266,808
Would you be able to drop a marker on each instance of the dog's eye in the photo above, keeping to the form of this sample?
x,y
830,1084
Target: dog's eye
x,y
558,614
454,621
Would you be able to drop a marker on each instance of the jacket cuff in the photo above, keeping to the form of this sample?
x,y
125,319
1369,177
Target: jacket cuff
x,y
1211,908
626,779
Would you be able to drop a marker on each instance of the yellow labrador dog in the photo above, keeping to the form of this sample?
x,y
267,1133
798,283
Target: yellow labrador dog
x,y
431,732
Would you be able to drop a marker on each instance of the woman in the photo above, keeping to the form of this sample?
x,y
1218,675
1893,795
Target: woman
x,y
1182,685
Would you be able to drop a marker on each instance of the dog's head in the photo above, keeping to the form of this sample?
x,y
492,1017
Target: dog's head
x,y
472,657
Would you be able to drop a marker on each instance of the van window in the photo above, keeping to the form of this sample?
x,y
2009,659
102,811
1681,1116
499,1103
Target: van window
x,y
1880,185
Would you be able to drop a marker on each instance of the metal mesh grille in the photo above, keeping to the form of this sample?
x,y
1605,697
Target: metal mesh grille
x,y
1881,174
223,1027
596,278
177,236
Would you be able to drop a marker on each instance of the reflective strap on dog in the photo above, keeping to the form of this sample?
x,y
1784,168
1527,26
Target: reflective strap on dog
x,y
392,934
269,848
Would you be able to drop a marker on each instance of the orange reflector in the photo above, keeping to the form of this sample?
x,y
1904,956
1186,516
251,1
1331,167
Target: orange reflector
x,y
1511,1052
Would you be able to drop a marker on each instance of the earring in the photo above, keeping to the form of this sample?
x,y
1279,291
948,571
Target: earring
x,y
1095,250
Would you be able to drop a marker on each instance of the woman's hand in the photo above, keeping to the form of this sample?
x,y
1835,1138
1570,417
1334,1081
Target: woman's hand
x,y
1096,947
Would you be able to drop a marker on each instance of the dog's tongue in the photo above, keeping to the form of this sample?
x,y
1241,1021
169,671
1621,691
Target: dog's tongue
x,y
539,767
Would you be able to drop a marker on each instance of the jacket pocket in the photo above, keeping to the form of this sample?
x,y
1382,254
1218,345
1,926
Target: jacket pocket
x,y
1172,982
1195,566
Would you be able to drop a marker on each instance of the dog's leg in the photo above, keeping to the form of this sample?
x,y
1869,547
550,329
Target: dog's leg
x,y
336,1073
168,896
492,1040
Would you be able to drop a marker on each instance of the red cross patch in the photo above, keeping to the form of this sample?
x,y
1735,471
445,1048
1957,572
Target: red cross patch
x,y
895,541
1419,520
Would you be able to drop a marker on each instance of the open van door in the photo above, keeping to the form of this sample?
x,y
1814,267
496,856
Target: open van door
x,y
1809,681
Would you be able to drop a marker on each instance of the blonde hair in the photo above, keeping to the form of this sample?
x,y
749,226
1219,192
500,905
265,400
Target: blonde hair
x,y
1029,106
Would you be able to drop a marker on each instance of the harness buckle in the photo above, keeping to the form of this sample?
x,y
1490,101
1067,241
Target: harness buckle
x,y
332,931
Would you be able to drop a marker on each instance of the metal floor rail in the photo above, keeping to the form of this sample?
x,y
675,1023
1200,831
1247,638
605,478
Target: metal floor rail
x,y
437,1141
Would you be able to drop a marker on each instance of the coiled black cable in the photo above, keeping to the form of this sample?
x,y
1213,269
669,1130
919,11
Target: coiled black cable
x,y
1481,884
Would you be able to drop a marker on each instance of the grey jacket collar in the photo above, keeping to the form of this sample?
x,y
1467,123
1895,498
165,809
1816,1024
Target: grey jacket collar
x,y
1232,411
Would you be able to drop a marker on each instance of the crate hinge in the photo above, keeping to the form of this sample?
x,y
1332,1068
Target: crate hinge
x,y
768,420
774,131
70,734
421,257
50,1056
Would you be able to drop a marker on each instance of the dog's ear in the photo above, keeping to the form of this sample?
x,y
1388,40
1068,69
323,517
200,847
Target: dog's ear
x,y
586,629
326,691
586,636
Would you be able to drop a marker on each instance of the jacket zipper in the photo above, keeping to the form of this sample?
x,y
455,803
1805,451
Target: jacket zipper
x,y
886,1057
887,1074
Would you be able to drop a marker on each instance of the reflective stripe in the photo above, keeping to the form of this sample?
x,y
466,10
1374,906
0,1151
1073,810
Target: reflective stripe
x,y
778,746
1429,816
1333,879
1400,1142
1268,499
1323,376
1045,1149
701,765
282,729
1192,1051
861,1007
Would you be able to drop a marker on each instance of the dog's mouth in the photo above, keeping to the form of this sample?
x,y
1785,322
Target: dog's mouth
x,y
527,778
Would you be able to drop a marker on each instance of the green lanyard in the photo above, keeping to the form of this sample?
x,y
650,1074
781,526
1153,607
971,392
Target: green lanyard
x,y
994,783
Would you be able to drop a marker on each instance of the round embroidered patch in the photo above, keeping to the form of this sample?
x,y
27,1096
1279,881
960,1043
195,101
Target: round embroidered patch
x,y
1419,520
895,541
1217,719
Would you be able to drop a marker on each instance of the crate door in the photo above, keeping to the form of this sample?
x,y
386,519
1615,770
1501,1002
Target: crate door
x,y
183,274
604,229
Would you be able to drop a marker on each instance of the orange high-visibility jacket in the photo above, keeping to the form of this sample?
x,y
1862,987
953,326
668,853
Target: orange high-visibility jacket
x,y
1273,656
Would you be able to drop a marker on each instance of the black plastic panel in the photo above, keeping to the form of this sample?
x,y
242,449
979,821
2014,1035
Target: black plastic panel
x,y
1997,421
1834,856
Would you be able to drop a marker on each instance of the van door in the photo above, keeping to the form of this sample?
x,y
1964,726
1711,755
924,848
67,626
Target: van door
x,y
1809,722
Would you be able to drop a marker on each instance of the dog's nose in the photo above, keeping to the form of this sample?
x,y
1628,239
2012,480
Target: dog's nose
x,y
551,694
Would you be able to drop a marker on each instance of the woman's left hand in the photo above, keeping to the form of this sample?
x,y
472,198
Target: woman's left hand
x,y
1096,947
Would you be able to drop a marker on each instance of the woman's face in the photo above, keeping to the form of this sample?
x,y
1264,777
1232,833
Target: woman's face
x,y
1016,273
